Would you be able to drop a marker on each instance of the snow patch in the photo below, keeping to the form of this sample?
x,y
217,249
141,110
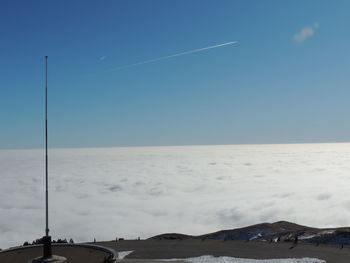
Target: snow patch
x,y
322,233
212,259
306,236
256,236
123,254
326,232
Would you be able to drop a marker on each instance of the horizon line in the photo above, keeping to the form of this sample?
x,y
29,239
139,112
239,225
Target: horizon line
x,y
179,145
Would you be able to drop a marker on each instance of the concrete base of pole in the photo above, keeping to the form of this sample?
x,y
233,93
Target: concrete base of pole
x,y
53,259
47,250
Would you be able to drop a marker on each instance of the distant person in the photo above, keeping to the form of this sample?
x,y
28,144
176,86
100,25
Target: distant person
x,y
296,240
295,243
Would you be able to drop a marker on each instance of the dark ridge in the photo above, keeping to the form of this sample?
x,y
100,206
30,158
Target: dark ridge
x,y
263,229
272,232
171,236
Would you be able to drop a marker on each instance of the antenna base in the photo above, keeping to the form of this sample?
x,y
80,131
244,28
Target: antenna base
x,y
47,247
48,257
53,259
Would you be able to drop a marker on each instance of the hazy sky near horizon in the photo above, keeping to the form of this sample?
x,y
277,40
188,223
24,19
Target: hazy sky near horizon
x,y
286,80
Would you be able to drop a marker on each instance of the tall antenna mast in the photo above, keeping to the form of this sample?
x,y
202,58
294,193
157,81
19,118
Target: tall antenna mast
x,y
46,155
46,238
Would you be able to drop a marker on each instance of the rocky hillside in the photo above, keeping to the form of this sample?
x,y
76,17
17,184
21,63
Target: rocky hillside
x,y
272,232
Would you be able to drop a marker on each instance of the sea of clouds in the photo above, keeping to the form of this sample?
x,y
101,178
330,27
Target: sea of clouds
x,y
105,193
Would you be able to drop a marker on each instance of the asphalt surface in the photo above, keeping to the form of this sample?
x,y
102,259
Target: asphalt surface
x,y
165,249
73,254
146,251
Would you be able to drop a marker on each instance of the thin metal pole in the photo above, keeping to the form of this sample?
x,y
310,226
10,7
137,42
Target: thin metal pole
x,y
46,155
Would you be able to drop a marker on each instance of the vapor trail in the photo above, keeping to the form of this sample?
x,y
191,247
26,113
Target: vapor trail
x,y
174,55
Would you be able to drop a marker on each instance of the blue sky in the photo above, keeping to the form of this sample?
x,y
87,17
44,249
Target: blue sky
x,y
286,81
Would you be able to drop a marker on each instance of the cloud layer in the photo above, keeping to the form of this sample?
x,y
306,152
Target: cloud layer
x,y
131,192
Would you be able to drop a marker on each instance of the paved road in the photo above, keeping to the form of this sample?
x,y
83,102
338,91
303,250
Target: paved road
x,y
163,249
73,254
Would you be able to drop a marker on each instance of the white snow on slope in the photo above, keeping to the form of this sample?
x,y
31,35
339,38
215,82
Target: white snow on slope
x,y
123,254
212,259
321,233
306,236
256,236
129,192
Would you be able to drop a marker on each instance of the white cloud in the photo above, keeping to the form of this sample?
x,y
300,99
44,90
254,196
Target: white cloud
x,y
131,192
305,33
103,58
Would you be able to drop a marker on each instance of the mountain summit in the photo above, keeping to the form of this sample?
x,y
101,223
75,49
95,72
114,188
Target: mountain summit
x,y
273,232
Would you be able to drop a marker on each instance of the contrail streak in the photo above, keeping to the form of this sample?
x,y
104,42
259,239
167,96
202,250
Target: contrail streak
x,y
174,55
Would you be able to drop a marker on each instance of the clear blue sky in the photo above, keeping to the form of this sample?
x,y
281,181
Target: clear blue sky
x,y
286,81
